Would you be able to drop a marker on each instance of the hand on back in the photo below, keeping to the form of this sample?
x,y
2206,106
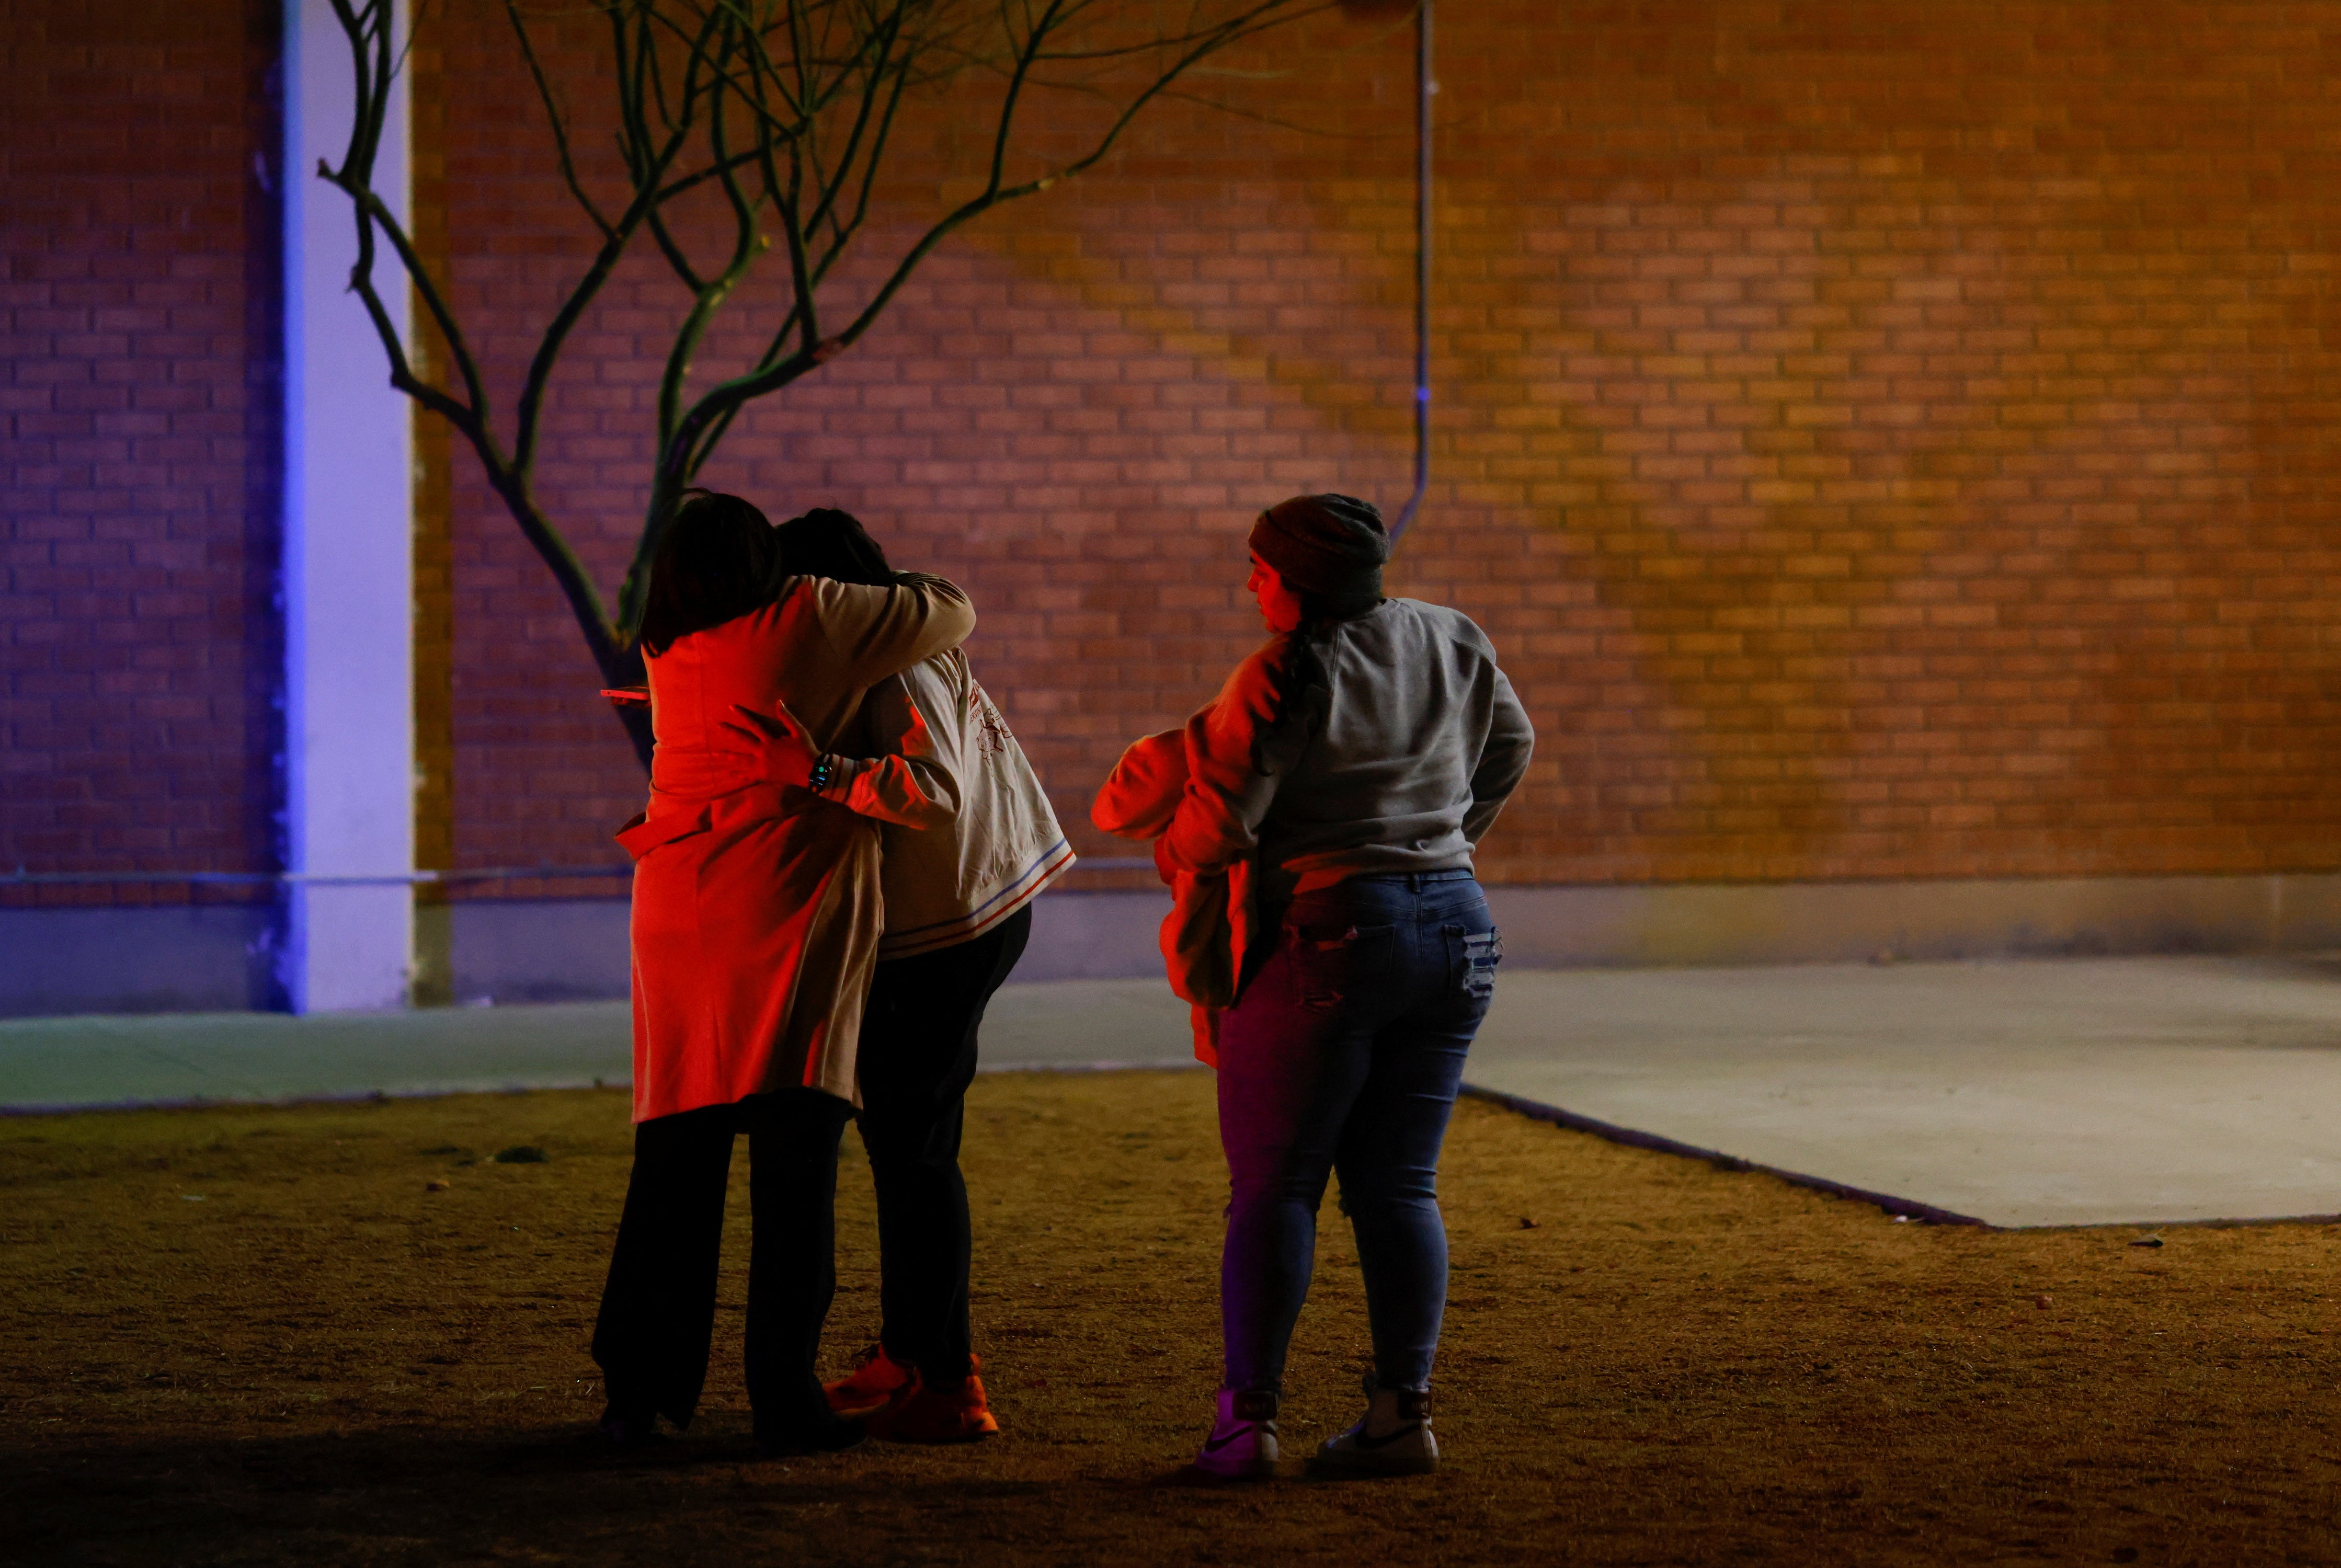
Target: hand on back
x,y
780,742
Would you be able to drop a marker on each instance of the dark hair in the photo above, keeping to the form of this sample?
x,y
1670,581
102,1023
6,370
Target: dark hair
x,y
716,561
827,543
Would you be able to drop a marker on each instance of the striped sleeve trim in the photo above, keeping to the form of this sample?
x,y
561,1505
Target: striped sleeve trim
x,y
1019,892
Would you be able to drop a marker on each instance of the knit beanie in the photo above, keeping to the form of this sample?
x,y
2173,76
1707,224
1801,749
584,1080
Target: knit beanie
x,y
1331,545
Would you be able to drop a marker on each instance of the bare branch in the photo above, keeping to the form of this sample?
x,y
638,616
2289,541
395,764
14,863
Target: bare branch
x,y
368,31
721,402
798,101
636,141
605,642
370,48
555,118
841,232
465,416
711,295
876,71
605,262
676,258
786,202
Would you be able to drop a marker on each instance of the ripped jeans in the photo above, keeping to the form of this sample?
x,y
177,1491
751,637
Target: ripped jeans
x,y
1343,1053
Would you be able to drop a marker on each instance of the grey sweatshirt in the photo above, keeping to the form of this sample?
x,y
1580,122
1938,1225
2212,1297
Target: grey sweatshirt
x,y
1384,743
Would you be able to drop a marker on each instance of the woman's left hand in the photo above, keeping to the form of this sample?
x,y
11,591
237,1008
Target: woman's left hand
x,y
780,744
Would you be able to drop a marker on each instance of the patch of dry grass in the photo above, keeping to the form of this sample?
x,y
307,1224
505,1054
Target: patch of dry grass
x,y
253,1335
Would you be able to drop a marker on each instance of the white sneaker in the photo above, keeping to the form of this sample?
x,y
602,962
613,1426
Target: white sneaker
x,y
1242,1445
1393,1439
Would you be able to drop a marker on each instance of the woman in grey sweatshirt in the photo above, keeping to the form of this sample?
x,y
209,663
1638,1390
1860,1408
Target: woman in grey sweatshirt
x,y
1356,759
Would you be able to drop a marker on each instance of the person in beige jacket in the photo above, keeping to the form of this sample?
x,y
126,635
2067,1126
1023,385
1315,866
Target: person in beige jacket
x,y
755,929
969,841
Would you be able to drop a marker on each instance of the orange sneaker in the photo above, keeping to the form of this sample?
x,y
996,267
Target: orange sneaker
x,y
937,1416
877,1380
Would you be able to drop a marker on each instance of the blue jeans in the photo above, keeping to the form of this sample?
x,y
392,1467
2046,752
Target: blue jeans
x,y
1344,1052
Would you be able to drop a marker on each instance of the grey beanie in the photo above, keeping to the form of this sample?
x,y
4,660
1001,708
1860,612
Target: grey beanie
x,y
1332,545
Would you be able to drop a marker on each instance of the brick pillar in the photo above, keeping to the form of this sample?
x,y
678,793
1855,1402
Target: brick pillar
x,y
348,585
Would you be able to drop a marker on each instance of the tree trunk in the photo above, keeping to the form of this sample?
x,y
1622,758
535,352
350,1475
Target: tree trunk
x,y
624,668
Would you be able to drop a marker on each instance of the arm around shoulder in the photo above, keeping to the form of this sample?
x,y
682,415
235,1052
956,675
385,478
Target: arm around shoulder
x,y
912,763
883,631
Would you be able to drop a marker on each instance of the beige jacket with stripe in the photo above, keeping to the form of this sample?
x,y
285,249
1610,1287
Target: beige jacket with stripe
x,y
968,835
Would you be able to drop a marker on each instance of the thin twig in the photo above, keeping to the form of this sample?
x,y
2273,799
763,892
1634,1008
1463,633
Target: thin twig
x,y
793,103
605,262
555,118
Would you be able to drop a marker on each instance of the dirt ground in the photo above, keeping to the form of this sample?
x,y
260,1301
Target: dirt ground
x,y
255,1336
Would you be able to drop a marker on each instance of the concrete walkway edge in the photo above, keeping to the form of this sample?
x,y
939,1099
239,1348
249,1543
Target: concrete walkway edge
x,y
1900,1207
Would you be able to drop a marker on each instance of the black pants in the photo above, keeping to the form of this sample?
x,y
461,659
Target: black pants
x,y
918,1056
658,1310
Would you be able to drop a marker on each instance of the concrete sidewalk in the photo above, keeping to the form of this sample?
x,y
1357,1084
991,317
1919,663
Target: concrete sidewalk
x,y
2056,1092
181,1059
185,1058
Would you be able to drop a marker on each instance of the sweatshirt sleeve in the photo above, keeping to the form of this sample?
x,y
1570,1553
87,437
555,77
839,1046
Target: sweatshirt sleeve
x,y
883,631
1143,793
1503,760
1234,747
911,781
887,790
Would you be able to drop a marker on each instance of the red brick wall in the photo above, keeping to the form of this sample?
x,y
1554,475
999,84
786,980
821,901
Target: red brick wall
x,y
1884,438
1909,427
136,439
1073,409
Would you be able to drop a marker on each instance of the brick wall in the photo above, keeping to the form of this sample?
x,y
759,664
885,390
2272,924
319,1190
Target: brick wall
x,y
1885,439
1074,410
1913,423
136,440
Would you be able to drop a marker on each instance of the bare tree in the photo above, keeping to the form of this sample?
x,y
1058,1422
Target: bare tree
x,y
781,112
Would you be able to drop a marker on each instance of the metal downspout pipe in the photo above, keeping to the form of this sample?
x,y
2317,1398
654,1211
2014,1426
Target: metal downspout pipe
x,y
1425,89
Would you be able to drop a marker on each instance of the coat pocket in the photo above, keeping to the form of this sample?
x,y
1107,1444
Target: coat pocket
x,y
640,836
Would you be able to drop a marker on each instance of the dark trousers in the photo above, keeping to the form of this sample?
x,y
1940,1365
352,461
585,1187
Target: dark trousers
x,y
916,1059
658,1310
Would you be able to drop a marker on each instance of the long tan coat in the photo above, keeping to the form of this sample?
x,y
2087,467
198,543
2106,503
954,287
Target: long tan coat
x,y
757,910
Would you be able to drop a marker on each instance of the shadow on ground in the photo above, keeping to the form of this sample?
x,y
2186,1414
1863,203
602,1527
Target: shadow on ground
x,y
345,1334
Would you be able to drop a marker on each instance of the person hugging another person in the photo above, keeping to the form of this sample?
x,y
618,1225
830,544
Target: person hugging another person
x,y
755,927
958,880
1316,821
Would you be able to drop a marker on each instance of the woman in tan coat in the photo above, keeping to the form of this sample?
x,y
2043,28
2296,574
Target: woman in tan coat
x,y
756,921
